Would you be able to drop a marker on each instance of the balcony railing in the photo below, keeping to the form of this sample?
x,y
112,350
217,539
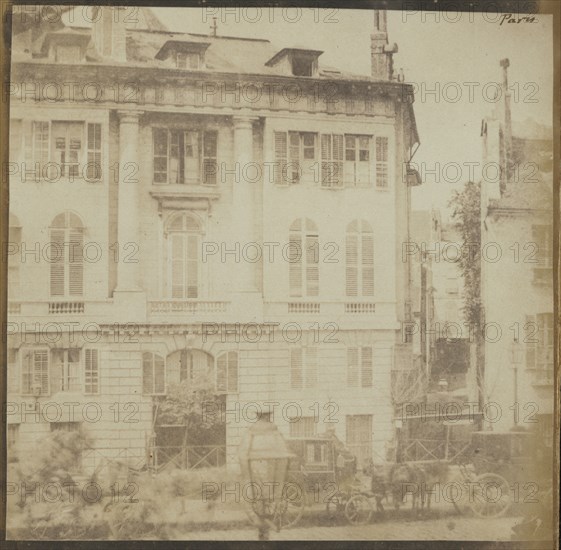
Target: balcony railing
x,y
303,307
360,307
66,308
191,307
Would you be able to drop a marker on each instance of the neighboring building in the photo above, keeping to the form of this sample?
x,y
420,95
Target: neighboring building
x,y
517,269
149,204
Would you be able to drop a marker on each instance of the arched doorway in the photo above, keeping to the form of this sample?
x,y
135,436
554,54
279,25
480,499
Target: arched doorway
x,y
186,437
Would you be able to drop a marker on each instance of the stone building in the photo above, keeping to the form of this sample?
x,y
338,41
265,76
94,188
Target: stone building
x,y
517,267
188,207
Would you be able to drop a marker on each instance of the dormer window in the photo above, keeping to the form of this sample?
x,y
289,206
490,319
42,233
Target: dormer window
x,y
186,55
66,46
187,60
296,62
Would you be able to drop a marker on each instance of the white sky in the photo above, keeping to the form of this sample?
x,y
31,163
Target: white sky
x,y
431,52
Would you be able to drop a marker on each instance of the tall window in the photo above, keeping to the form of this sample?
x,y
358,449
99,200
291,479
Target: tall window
x,y
332,154
91,372
303,368
359,437
539,354
359,367
359,259
185,156
382,162
187,60
14,259
295,154
227,372
357,160
196,366
65,369
303,258
72,149
542,236
35,372
184,242
153,374
66,255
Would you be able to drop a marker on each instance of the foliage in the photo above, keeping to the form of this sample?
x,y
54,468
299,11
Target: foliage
x,y
466,214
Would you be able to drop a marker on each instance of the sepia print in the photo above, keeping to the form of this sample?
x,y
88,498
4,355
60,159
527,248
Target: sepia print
x,y
271,277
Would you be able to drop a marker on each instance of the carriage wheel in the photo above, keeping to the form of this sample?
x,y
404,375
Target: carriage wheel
x,y
490,497
358,510
291,506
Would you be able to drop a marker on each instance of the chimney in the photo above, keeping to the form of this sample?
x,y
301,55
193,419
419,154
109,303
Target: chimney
x,y
507,121
109,33
381,52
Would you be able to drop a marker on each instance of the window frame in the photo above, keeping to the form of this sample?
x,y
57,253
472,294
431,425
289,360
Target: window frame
x,y
304,234
27,389
228,367
360,373
307,364
154,356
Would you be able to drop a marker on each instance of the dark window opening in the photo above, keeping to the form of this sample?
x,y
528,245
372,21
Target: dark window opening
x,y
302,66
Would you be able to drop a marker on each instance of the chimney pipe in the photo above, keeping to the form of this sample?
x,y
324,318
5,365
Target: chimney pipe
x,y
381,52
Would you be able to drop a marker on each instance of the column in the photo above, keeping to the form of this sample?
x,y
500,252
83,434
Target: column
x,y
248,301
127,220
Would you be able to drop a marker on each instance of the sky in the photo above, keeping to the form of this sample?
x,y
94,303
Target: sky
x,y
457,54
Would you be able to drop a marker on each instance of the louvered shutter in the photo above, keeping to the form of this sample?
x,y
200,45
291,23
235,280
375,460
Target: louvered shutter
x,y
57,370
367,264
295,261
41,370
295,162
312,265
296,378
91,372
327,166
222,373
177,255
352,367
147,374
338,156
12,375
366,367
76,263
352,264
192,266
210,166
159,375
93,171
311,370
58,253
281,156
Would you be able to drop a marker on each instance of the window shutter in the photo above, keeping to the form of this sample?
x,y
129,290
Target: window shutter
x,y
41,371
312,265
352,264
192,266
382,162
296,377
57,370
147,374
281,156
295,264
93,171
210,166
177,254
352,367
159,375
192,157
311,370
13,374
160,139
76,263
222,373
367,264
366,366
338,155
232,371
295,160
91,372
57,262
326,164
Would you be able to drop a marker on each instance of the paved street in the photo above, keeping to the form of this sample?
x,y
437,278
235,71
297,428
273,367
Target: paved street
x,y
451,528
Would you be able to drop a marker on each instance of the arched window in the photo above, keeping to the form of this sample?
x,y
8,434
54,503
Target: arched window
x,y
360,259
153,374
303,258
183,233
14,256
227,372
66,255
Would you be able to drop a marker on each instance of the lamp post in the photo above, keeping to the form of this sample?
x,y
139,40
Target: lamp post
x,y
264,461
515,360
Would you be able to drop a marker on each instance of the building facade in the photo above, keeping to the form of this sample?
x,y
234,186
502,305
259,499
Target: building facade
x,y
517,269
189,208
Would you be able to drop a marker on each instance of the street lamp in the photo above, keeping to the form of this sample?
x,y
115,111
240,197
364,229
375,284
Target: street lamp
x,y
264,461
